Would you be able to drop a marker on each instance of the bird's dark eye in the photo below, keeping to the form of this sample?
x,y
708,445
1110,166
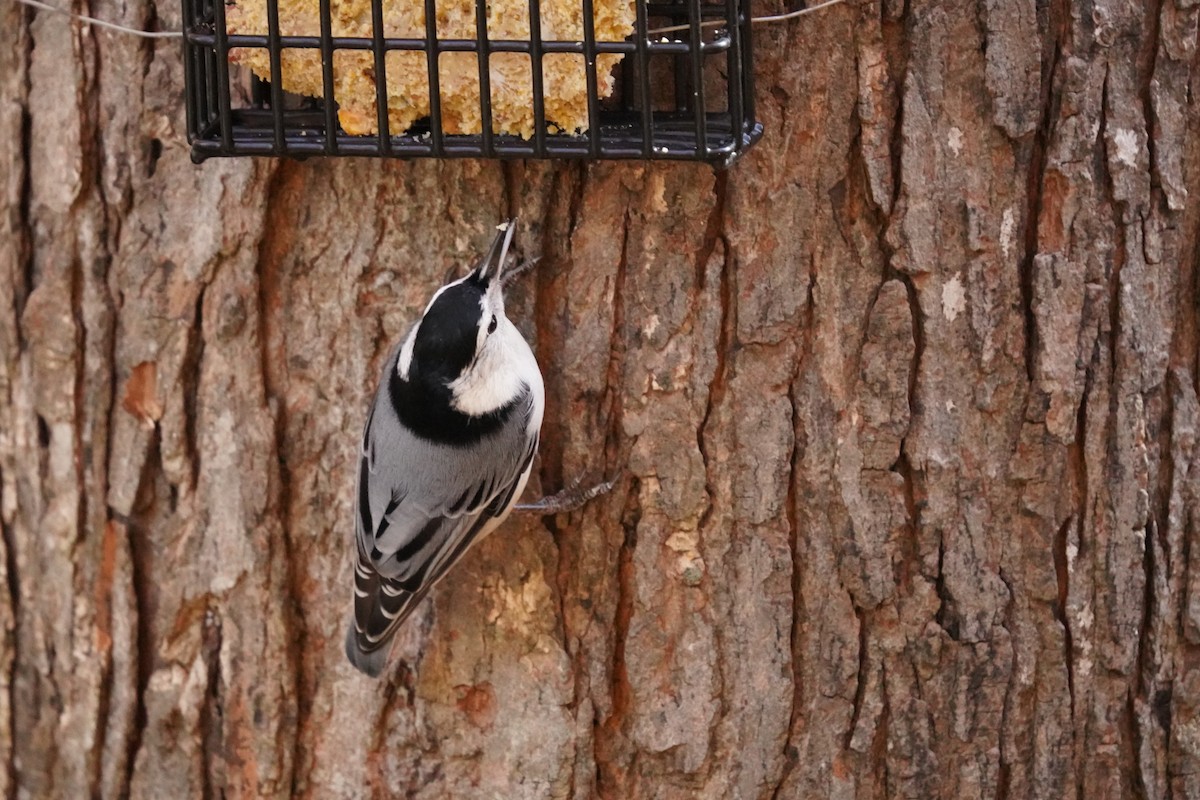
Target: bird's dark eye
x,y
492,324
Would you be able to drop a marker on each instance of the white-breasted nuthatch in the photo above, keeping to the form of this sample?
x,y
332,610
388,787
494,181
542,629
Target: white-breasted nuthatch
x,y
447,450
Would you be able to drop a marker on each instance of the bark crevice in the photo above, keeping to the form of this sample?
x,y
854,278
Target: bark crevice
x,y
608,739
790,754
970,610
272,254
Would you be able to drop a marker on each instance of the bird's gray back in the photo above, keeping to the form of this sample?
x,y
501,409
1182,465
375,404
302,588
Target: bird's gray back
x,y
412,480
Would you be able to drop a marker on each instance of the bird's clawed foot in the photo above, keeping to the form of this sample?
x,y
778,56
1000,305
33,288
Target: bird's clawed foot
x,y
520,269
569,499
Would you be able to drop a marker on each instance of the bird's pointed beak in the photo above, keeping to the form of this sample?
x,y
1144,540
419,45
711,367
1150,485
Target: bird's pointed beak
x,y
491,267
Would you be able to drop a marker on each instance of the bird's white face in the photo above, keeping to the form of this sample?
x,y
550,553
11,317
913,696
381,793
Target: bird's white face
x,y
493,378
466,344
491,313
460,314
481,323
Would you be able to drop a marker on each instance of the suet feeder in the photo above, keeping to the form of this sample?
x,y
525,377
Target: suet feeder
x,y
595,79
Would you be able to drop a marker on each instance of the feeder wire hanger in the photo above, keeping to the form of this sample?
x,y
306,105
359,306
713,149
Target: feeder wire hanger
x,y
717,23
112,26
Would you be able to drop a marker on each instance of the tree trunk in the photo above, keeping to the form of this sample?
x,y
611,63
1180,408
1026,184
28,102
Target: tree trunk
x,y
906,405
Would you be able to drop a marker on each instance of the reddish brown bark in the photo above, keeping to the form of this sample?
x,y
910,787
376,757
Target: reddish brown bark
x,y
906,404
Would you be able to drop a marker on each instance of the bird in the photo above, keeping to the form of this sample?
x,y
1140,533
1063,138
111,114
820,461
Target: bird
x,y
447,449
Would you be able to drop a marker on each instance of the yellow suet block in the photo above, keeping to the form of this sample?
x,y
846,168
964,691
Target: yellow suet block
x,y
564,76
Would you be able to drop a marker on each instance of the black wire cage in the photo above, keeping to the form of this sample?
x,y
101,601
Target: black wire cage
x,y
674,82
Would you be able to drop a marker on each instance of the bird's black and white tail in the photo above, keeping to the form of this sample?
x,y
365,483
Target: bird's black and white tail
x,y
380,606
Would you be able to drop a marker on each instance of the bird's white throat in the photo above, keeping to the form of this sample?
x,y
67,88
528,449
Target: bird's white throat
x,y
493,379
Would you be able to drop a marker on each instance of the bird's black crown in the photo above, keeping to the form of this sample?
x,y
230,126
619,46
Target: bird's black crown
x,y
446,338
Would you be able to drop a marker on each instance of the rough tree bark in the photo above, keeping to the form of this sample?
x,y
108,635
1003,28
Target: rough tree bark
x,y
906,403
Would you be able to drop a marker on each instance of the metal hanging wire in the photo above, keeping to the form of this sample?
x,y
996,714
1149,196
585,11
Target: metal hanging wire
x,y
716,23
99,23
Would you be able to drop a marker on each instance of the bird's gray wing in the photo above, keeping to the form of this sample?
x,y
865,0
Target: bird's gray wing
x,y
418,512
